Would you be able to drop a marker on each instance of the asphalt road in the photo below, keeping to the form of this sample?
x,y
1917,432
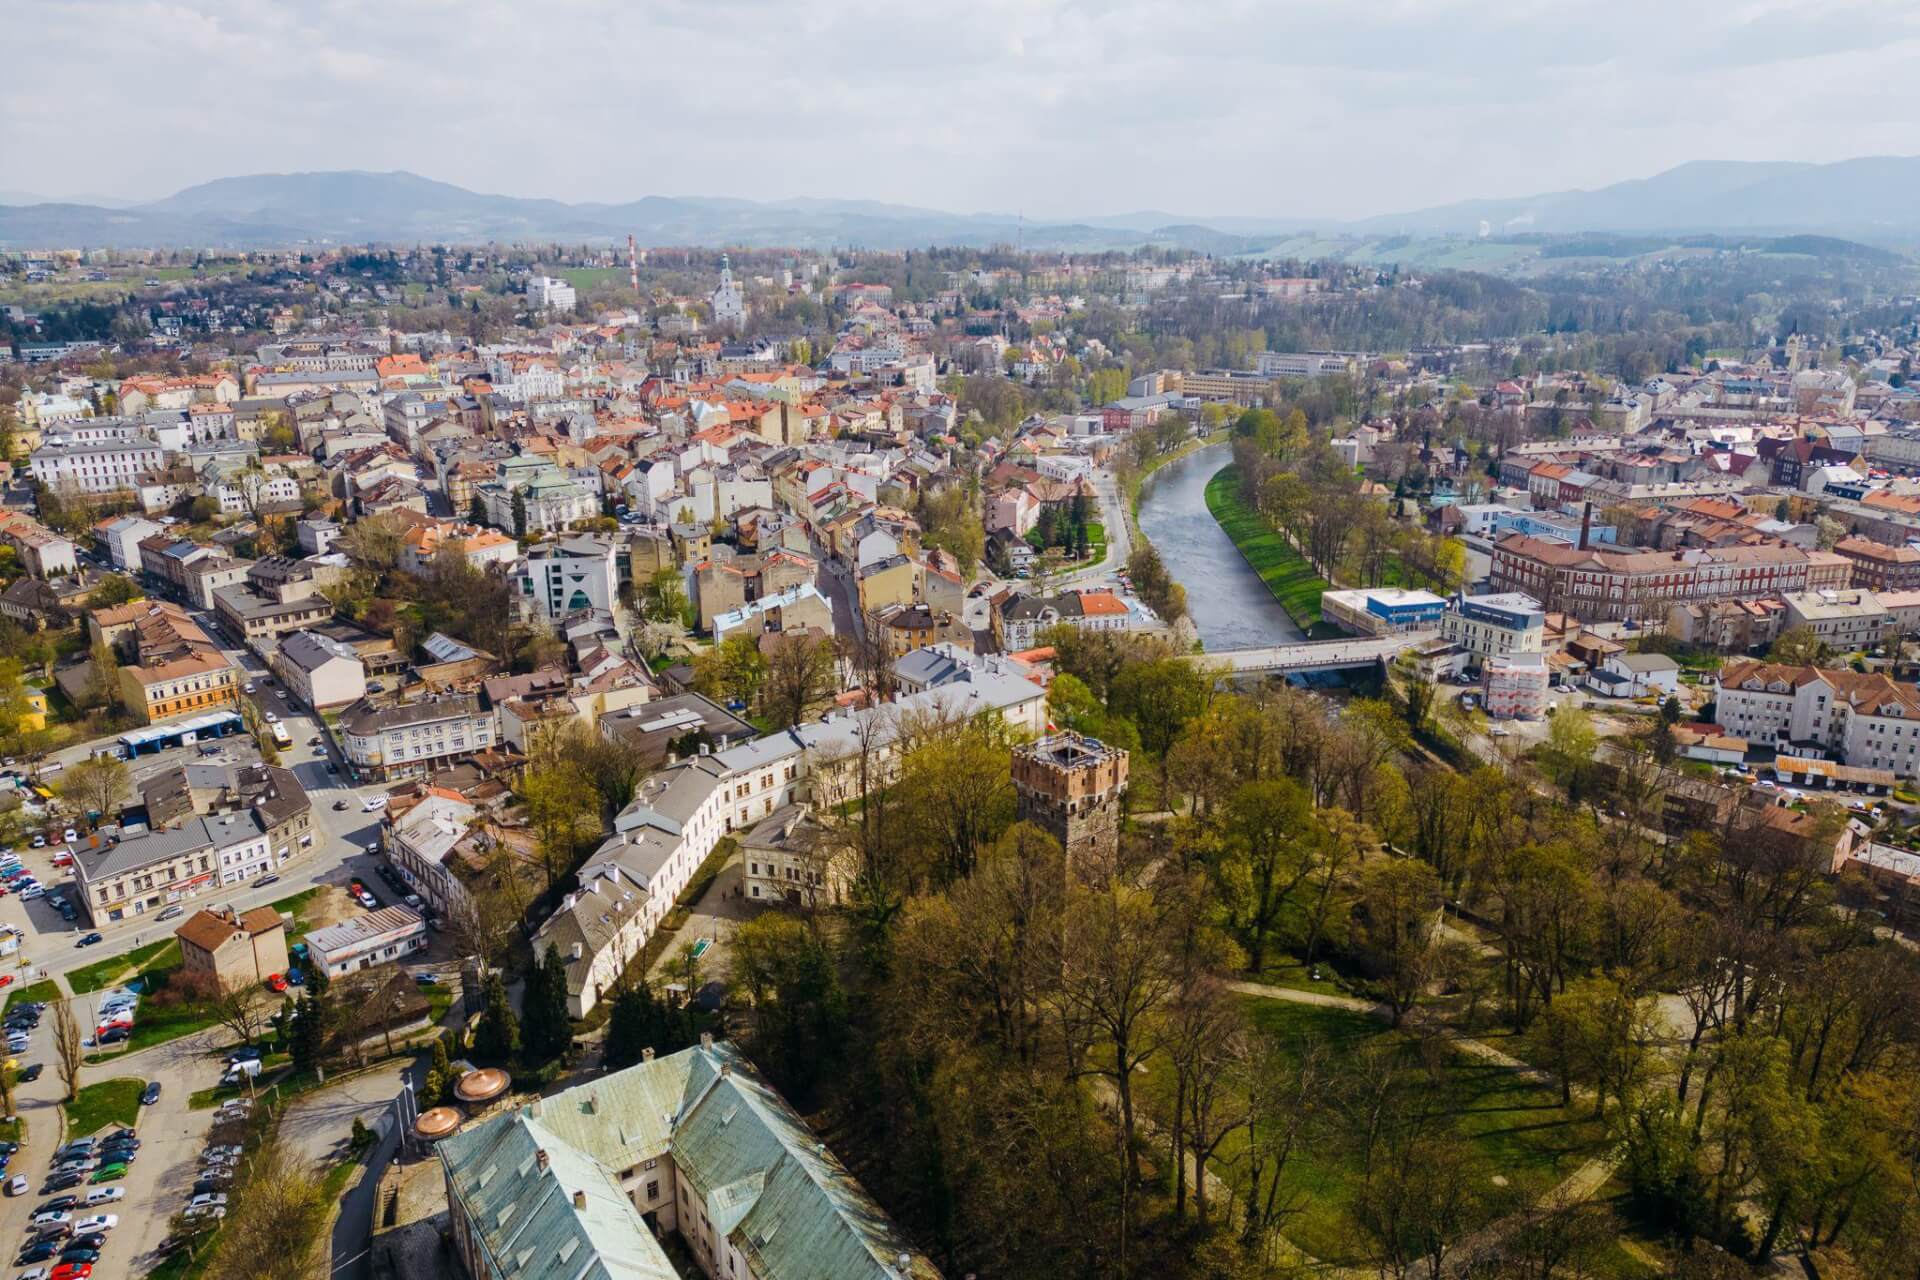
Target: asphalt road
x,y
336,856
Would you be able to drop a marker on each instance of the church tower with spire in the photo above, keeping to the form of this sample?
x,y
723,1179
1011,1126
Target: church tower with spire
x,y
729,304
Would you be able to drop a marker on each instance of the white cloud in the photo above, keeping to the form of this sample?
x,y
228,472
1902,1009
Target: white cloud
x,y
1051,107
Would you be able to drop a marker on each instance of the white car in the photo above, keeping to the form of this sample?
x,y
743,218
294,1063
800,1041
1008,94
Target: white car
x,y
98,1222
211,1211
38,1273
206,1200
104,1195
374,802
272,718
17,1185
247,687
51,1216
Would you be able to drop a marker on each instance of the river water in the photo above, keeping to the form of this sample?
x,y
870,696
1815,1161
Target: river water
x,y
1229,604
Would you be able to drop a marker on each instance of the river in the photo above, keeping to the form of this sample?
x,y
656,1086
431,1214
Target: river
x,y
1230,606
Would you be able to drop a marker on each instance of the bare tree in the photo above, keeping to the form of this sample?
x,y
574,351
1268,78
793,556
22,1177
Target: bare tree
x,y
799,677
237,1007
272,1230
66,1045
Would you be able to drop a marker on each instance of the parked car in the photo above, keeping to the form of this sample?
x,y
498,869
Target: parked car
x,y
110,1173
208,1200
268,879
276,982
17,1185
60,1182
100,1221
151,1094
32,1072
44,1216
105,1195
37,1252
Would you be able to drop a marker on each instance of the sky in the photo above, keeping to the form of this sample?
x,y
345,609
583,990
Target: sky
x,y
1047,108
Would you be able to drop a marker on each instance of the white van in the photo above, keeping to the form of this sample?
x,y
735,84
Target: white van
x,y
246,1069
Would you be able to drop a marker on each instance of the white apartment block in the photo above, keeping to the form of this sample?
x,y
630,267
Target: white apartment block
x,y
1844,620
1867,721
416,737
96,468
1499,625
548,294
558,578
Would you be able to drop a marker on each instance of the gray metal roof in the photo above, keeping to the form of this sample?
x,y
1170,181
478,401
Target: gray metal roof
x,y
764,1179
130,854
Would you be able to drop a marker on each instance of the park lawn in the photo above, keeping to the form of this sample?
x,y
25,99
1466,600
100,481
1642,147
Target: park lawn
x,y
45,991
164,954
1286,572
99,1105
585,278
1515,1127
155,1026
1096,541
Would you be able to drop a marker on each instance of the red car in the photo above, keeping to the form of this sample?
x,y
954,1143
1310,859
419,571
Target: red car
x,y
276,982
6,979
72,1271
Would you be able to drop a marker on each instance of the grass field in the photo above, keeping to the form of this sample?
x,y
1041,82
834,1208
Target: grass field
x,y
296,906
45,991
585,278
1285,571
99,1105
113,970
1515,1129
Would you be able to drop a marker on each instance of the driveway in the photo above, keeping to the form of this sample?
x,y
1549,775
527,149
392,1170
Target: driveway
x,y
718,913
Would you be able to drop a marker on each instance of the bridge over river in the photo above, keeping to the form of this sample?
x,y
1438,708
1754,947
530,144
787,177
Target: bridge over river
x,y
1316,655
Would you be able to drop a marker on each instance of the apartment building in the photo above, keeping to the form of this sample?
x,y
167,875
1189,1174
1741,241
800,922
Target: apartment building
x,y
1878,566
1609,584
414,738
235,950
1494,625
105,466
121,877
1865,720
320,671
1844,620
558,578
176,668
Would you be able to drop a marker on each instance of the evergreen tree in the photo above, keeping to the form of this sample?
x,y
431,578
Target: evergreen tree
x,y
309,1029
499,1032
638,1022
477,513
440,1078
519,514
546,1029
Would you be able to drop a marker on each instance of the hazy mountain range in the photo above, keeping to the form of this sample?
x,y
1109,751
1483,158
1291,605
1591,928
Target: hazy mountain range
x,y
1872,198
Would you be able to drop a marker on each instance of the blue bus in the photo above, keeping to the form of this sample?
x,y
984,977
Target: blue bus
x,y
162,737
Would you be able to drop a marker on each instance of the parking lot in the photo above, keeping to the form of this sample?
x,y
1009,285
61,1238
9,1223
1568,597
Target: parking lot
x,y
171,1134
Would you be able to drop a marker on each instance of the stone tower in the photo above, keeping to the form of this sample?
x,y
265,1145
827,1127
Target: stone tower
x,y
1071,786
